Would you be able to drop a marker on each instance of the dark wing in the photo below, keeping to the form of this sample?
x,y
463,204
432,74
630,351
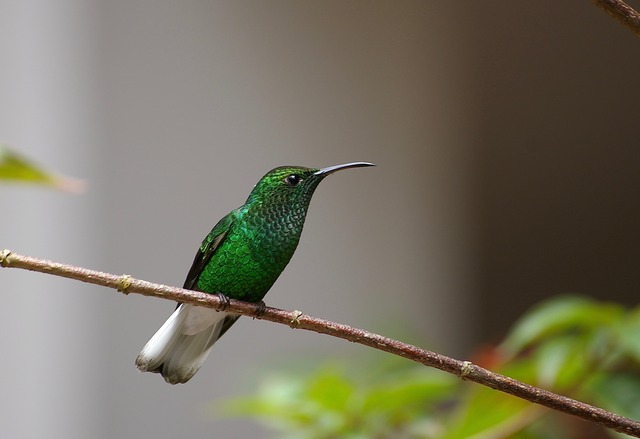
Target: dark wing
x,y
208,248
203,256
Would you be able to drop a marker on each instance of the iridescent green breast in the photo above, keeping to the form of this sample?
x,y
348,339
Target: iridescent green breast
x,y
255,250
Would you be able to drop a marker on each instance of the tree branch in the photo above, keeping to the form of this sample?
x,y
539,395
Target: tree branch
x,y
622,12
295,319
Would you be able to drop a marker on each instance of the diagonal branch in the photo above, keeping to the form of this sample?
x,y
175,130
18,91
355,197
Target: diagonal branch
x,y
622,12
298,320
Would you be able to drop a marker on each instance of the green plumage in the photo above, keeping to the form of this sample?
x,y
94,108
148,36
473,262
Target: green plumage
x,y
248,249
241,257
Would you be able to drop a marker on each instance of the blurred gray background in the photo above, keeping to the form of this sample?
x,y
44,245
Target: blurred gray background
x,y
506,140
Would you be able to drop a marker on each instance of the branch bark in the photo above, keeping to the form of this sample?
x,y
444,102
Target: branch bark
x,y
297,320
622,12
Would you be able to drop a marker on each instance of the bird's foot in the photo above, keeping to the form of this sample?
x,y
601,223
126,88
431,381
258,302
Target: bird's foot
x,y
224,302
260,309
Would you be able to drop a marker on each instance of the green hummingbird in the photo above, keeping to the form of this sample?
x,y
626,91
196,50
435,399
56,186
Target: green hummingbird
x,y
241,258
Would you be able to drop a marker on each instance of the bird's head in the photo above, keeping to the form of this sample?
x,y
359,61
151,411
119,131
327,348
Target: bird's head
x,y
294,184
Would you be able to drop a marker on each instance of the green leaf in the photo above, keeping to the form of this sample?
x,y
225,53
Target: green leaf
x,y
618,392
551,358
327,402
14,167
486,412
330,389
489,413
629,335
566,313
407,401
401,392
564,362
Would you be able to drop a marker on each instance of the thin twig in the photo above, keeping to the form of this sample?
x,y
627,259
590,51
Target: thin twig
x,y
298,320
624,13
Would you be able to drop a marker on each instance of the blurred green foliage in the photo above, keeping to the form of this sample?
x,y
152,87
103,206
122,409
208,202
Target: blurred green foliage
x,y
574,346
16,168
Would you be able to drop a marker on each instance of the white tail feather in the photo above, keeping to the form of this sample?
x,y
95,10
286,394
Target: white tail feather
x,y
183,342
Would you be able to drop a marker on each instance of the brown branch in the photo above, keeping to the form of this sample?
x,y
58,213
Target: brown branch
x,y
622,12
298,320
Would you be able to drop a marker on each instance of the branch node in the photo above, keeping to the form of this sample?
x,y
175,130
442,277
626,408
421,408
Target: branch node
x,y
466,369
295,321
4,258
124,283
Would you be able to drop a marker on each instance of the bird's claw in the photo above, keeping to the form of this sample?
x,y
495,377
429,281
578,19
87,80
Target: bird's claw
x,y
224,302
260,309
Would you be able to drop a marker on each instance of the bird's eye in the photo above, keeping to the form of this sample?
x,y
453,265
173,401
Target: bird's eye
x,y
292,180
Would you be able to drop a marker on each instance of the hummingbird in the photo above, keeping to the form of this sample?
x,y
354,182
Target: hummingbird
x,y
240,258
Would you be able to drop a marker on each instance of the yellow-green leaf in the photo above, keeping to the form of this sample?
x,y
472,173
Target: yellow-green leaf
x,y
16,168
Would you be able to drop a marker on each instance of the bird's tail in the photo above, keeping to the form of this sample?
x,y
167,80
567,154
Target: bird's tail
x,y
183,342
